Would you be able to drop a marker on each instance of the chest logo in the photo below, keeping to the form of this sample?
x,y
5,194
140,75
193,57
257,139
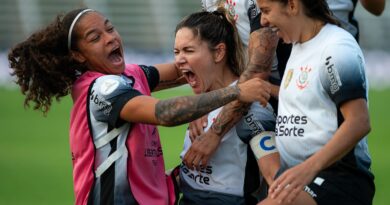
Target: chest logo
x,y
303,79
289,75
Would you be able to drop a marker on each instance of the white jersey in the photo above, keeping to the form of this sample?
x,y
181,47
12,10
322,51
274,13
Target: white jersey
x,y
225,172
321,74
343,10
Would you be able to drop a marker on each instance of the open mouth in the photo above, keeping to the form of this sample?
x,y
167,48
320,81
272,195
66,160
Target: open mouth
x,y
275,29
189,76
115,56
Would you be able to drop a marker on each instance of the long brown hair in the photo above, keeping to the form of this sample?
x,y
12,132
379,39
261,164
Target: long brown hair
x,y
43,65
214,28
316,9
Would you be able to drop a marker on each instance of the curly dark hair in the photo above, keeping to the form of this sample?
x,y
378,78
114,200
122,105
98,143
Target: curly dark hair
x,y
43,65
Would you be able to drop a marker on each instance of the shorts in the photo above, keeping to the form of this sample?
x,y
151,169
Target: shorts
x,y
341,185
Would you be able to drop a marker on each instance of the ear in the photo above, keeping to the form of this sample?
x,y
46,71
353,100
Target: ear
x,y
78,56
293,7
219,52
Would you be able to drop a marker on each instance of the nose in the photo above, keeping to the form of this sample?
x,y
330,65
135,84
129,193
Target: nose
x,y
179,59
264,20
110,37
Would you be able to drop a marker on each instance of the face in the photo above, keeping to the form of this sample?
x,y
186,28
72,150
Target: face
x,y
278,16
195,60
99,44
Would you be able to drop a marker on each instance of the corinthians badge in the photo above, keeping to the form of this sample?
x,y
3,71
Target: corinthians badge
x,y
289,75
302,80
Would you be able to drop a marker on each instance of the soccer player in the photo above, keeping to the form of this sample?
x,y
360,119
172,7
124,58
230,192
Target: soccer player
x,y
116,150
209,53
323,116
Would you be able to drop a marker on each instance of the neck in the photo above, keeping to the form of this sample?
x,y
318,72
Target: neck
x,y
224,79
311,27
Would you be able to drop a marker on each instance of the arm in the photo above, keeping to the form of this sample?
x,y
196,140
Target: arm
x,y
375,7
351,131
262,47
170,76
175,111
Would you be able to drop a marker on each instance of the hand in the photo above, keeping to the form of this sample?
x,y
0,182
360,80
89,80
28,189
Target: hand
x,y
255,89
288,185
196,127
201,150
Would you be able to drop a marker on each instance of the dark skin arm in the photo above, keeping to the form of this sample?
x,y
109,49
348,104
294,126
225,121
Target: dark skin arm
x,y
262,47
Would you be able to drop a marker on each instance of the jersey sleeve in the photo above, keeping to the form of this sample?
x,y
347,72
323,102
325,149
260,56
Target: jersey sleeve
x,y
254,16
343,76
152,75
107,97
258,119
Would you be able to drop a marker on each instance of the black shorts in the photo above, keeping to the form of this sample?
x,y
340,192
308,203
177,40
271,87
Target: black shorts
x,y
342,185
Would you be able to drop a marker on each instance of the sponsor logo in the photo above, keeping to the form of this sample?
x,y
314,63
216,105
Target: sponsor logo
x,y
310,192
253,11
153,152
289,125
318,181
254,126
333,75
108,86
101,103
303,78
289,75
263,145
197,176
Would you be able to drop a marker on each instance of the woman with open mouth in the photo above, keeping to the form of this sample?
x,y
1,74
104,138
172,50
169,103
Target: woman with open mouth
x,y
116,151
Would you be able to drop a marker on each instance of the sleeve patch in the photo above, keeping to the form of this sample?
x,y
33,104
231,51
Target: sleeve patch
x,y
108,86
263,144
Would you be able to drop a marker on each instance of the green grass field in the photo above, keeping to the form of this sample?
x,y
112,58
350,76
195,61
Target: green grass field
x,y
35,161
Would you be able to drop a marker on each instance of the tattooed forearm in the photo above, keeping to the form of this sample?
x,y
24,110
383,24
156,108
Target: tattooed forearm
x,y
262,48
228,117
180,110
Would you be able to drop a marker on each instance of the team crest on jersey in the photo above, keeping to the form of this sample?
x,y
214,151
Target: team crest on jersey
x,y
108,86
303,78
230,7
289,75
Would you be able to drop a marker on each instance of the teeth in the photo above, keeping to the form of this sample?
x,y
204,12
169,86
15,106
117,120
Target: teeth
x,y
274,29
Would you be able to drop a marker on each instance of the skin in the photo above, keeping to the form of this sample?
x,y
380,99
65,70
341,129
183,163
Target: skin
x,y
262,47
99,46
375,7
211,71
288,188
208,69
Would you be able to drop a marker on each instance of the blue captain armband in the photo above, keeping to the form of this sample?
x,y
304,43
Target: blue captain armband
x,y
263,144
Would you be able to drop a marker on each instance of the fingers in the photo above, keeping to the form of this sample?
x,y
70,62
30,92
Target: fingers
x,y
255,89
196,127
284,190
189,158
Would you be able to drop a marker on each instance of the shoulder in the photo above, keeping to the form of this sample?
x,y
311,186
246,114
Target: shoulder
x,y
108,84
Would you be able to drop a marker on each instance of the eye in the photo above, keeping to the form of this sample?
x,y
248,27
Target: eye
x,y
111,29
176,52
95,38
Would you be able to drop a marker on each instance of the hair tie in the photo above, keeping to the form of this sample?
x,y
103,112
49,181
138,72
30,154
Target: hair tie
x,y
73,23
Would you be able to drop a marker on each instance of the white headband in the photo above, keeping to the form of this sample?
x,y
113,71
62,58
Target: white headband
x,y
73,23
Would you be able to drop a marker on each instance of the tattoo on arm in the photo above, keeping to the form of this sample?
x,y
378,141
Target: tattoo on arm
x,y
181,110
262,48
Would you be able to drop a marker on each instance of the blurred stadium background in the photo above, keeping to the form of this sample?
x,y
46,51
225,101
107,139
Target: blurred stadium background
x,y
35,162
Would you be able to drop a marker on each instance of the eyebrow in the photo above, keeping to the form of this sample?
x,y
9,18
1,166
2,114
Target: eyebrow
x,y
94,30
